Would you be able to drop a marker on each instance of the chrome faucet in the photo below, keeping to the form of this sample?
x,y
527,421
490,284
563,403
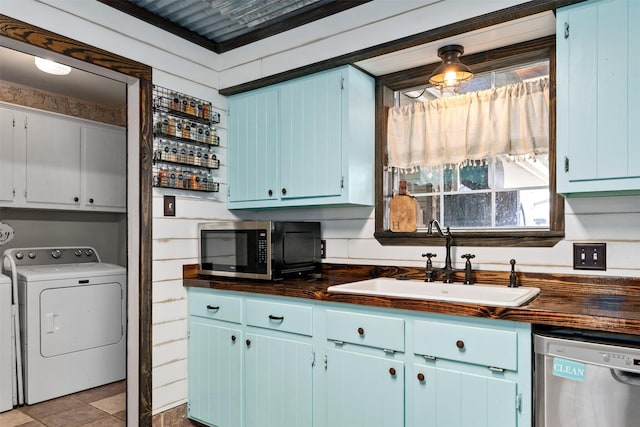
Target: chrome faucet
x,y
448,269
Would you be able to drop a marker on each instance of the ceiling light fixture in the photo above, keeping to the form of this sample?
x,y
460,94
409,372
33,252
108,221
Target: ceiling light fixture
x,y
51,67
452,74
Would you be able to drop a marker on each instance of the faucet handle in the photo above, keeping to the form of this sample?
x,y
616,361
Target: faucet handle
x,y
429,255
513,278
467,268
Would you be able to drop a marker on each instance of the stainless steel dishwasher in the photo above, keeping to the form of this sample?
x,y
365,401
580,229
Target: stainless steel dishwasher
x,y
586,380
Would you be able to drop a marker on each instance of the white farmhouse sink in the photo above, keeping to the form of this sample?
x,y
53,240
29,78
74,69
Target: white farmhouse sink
x,y
437,291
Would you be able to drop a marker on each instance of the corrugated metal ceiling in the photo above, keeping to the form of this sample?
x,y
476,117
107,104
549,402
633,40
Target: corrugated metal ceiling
x,y
222,25
222,20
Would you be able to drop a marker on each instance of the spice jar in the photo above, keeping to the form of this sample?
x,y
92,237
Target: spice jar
x,y
163,176
172,177
179,178
174,103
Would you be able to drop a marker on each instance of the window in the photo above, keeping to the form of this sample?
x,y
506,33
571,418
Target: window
x,y
487,201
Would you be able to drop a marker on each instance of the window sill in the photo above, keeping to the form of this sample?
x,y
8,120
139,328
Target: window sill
x,y
473,238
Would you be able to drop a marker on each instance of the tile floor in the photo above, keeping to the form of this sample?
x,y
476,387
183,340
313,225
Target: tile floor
x,y
96,407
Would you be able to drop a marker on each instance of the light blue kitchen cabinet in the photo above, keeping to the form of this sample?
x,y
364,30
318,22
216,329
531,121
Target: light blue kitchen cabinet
x,y
214,359
453,398
250,361
278,382
365,368
278,364
364,389
253,146
469,372
598,110
308,141
264,361
215,375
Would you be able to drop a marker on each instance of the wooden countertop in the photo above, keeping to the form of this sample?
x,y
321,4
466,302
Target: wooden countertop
x,y
601,303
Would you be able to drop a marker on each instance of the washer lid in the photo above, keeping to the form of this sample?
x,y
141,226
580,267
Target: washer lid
x,y
68,271
4,279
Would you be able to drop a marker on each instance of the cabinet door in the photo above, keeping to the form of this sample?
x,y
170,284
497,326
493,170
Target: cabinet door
x,y
53,160
278,382
252,154
364,390
457,399
310,136
6,155
598,49
104,167
214,374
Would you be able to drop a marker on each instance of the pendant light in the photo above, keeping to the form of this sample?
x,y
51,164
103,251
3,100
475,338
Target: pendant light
x,y
452,74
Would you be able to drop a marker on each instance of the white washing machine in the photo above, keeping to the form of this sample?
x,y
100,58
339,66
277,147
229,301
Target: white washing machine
x,y
7,358
72,320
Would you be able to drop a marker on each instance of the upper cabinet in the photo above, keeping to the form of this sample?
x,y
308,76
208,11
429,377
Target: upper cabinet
x,y
598,110
308,141
49,161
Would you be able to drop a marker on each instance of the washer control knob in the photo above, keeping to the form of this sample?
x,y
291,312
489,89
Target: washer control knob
x,y
19,255
78,252
88,252
56,253
31,255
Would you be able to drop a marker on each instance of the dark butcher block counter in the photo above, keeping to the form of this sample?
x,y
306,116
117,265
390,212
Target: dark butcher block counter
x,y
602,303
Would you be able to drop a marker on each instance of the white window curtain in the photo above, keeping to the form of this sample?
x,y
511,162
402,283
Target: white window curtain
x,y
507,121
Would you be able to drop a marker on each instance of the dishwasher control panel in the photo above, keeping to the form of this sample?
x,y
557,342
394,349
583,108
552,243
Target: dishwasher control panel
x,y
610,355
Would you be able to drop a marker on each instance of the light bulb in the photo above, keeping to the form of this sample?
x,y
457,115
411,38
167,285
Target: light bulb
x,y
52,67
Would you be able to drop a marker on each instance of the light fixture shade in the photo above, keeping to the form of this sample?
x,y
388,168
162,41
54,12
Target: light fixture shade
x,y
52,67
451,73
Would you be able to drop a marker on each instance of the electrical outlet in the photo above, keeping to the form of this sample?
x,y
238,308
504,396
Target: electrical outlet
x,y
590,256
323,248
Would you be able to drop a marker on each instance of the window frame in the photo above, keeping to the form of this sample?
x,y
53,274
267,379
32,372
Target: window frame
x,y
386,85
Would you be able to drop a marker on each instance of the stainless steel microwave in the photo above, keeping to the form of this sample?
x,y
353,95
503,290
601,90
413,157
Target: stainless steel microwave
x,y
269,250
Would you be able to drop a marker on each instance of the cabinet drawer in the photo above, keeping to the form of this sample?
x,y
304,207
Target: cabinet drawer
x,y
470,344
366,329
295,318
214,306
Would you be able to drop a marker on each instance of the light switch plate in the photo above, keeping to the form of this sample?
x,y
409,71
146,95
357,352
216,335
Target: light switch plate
x,y
169,205
590,256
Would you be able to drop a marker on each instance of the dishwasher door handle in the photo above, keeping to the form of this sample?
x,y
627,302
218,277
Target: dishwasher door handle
x,y
626,377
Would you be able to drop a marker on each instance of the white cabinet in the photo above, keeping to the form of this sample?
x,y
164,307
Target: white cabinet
x,y
49,161
104,167
52,161
6,155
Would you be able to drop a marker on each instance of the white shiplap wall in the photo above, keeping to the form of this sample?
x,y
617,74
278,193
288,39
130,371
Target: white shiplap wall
x,y
613,220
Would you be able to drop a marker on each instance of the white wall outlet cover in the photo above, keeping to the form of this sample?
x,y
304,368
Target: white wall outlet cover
x,y
6,233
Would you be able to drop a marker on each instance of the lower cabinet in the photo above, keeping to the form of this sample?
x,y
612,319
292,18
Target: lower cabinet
x,y
267,361
364,390
215,377
444,397
278,382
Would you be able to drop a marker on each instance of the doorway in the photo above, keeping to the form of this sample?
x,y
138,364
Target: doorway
x,y
26,38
